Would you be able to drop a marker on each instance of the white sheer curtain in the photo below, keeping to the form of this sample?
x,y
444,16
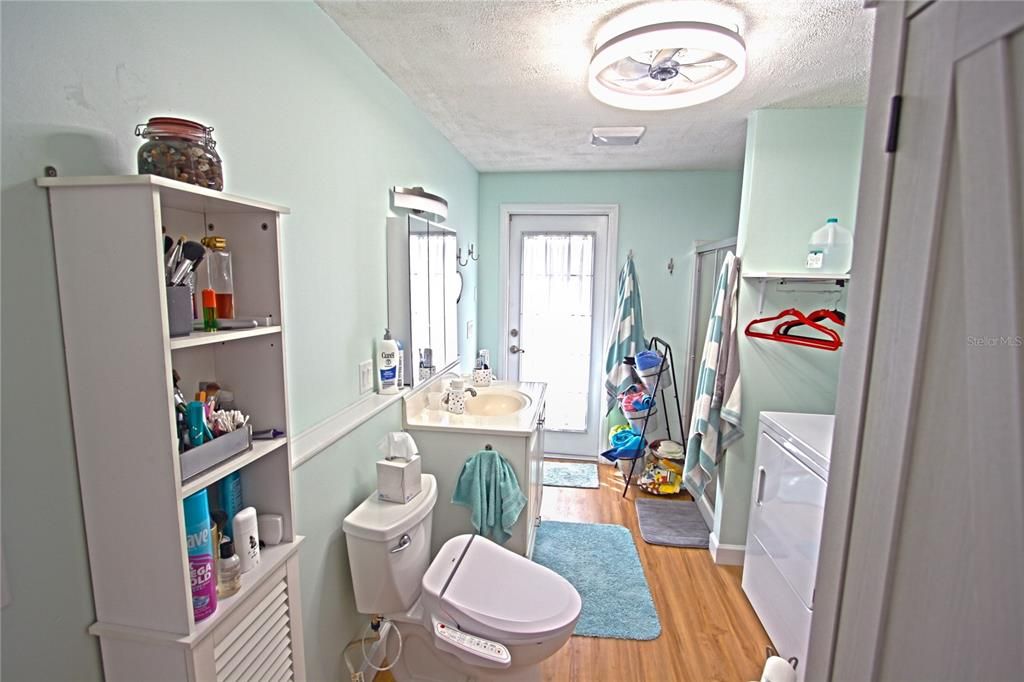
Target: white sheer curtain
x,y
556,307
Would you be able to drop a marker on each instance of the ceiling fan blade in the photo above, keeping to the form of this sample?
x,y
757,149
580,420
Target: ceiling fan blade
x,y
701,59
665,56
650,85
628,69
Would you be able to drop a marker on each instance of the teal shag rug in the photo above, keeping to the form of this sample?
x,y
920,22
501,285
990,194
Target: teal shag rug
x,y
568,475
602,563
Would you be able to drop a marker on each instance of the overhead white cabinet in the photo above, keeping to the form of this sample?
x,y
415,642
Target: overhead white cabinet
x,y
108,243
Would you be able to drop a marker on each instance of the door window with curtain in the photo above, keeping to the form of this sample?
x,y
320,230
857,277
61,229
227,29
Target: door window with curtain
x,y
556,295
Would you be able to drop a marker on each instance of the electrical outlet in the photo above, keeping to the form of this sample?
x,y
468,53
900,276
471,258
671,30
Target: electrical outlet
x,y
366,376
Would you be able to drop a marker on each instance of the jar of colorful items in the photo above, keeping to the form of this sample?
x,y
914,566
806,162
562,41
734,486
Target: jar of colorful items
x,y
664,474
180,149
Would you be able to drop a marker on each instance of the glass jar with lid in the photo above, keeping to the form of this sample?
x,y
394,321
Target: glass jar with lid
x,y
180,149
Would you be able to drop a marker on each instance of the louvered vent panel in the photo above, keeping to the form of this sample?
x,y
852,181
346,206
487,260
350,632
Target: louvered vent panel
x,y
259,648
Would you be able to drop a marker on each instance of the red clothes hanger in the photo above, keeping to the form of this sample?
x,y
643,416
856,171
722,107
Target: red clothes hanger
x,y
832,342
835,316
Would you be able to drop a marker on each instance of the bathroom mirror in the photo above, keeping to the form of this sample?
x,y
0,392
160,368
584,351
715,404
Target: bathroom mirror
x,y
423,291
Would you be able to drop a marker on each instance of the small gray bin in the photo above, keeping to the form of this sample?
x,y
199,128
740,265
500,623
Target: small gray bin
x,y
179,310
210,454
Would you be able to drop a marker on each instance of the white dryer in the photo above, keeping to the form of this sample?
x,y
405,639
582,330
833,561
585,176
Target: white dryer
x,y
784,531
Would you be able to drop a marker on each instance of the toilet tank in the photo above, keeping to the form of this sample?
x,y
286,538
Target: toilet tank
x,y
389,549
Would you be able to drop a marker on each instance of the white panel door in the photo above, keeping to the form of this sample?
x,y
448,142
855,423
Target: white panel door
x,y
934,583
558,287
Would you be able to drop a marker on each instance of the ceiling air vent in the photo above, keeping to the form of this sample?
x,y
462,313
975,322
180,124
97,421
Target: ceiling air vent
x,y
616,136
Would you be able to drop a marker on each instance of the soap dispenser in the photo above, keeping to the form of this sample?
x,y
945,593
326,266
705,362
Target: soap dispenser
x,y
387,365
455,398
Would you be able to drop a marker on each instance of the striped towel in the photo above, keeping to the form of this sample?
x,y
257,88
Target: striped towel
x,y
716,410
626,337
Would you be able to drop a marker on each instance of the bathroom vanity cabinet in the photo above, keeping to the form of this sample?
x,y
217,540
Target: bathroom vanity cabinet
x,y
446,441
108,243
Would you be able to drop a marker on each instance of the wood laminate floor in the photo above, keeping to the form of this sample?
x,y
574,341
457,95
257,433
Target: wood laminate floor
x,y
709,631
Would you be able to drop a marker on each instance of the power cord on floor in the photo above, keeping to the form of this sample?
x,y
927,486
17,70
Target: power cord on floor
x,y
384,628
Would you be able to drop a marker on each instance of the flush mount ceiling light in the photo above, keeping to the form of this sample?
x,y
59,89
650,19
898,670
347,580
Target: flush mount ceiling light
x,y
667,65
421,202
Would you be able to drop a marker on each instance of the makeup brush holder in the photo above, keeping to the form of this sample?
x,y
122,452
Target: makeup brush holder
x,y
179,311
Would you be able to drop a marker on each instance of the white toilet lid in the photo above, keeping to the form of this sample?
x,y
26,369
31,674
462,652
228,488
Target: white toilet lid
x,y
501,591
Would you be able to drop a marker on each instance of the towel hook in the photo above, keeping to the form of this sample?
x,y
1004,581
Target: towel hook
x,y
671,266
488,447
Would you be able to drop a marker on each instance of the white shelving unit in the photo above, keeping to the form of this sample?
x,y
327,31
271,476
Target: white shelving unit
x,y
108,242
764,277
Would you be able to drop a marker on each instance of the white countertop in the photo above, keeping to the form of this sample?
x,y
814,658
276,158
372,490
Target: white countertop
x,y
417,415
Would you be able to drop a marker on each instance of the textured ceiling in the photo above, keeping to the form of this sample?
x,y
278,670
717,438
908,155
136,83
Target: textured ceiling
x,y
505,81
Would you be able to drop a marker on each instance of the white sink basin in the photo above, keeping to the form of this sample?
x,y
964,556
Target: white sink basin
x,y
496,402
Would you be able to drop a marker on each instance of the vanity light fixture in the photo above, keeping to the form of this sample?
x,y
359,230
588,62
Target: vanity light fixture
x,y
670,64
420,202
616,136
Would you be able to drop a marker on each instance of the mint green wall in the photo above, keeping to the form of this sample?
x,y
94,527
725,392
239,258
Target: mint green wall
x,y
661,214
332,484
302,118
802,166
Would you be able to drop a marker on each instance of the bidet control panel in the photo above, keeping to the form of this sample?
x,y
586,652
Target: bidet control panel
x,y
485,648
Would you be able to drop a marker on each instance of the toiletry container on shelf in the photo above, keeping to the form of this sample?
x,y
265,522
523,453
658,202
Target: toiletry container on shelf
x,y
830,249
145,621
387,365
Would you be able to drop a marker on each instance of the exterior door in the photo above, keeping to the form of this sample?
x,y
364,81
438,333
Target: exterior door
x,y
557,302
933,587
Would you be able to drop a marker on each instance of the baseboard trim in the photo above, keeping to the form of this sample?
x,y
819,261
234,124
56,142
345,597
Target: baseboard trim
x,y
725,555
706,511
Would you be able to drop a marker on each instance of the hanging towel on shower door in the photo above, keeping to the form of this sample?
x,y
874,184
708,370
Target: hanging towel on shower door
x,y
716,403
489,487
625,338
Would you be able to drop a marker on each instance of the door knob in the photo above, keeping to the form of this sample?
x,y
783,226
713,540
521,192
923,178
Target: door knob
x,y
515,349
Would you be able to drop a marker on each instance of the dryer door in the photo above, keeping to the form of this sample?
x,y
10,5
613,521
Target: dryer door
x,y
789,503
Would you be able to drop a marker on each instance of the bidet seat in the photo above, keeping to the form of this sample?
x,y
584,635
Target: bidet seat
x,y
497,594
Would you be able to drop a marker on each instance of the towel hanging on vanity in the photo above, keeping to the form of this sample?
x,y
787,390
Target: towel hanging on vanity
x,y
489,487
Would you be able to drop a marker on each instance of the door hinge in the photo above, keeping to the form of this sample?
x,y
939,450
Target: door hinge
x,y
895,105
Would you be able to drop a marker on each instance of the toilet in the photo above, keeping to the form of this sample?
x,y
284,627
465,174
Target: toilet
x,y
477,612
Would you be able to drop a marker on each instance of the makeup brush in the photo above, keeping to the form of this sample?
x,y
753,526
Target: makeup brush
x,y
168,243
190,253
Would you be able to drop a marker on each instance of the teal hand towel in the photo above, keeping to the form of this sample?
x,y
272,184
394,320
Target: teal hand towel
x,y
489,487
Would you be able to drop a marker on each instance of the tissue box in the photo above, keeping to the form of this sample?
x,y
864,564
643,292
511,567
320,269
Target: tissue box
x,y
398,480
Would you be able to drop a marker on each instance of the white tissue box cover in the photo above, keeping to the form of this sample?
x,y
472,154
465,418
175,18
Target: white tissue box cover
x,y
398,480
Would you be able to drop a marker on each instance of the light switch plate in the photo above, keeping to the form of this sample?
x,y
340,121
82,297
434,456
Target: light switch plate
x,y
469,328
366,376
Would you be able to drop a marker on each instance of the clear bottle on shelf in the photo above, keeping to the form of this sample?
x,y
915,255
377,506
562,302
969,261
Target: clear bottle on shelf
x,y
221,280
229,569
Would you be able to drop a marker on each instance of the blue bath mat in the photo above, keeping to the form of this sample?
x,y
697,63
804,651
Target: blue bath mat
x,y
602,563
568,475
